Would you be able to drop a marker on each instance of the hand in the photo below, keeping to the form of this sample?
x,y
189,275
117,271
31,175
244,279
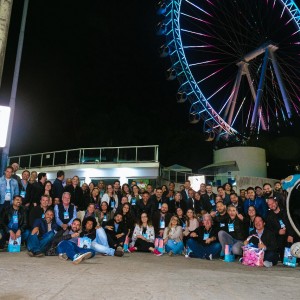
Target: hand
x,y
213,213
193,234
165,241
261,245
119,235
246,242
282,231
12,235
109,227
208,241
75,234
18,233
161,233
241,217
27,204
140,237
34,204
64,226
290,239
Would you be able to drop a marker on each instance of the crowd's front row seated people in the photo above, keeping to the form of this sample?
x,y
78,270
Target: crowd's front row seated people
x,y
266,240
203,242
233,233
192,224
143,236
67,242
13,222
173,237
116,232
65,212
42,234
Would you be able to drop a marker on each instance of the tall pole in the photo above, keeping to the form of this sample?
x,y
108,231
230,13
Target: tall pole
x,y
12,101
5,12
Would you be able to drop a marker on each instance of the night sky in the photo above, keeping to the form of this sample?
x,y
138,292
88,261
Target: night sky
x,y
91,76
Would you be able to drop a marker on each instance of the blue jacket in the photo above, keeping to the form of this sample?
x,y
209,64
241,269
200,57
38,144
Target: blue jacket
x,y
14,189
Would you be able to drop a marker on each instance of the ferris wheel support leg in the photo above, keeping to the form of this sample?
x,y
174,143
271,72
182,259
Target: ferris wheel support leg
x,y
253,92
259,91
281,84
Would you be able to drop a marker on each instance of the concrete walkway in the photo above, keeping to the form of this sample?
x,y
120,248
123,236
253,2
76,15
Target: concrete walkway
x,y
142,276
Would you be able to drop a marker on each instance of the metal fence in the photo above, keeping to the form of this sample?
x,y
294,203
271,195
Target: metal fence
x,y
126,154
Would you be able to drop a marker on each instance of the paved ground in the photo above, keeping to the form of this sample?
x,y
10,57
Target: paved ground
x,y
141,276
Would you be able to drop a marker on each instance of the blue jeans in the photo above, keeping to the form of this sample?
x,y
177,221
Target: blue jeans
x,y
5,236
203,251
100,243
175,247
34,244
71,249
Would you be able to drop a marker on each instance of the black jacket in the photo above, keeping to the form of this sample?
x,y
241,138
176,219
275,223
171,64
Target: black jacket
x,y
36,193
200,231
76,196
156,220
7,215
268,238
147,208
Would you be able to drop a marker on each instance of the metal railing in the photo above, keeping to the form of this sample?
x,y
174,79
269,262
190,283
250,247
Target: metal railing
x,y
126,154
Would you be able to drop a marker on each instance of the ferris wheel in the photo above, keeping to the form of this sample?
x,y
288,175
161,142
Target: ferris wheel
x,y
237,62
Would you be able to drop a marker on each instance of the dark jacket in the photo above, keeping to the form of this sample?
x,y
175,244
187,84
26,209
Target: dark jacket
x,y
90,234
6,218
221,221
156,220
76,196
57,188
235,228
147,208
268,238
200,231
121,228
158,203
173,205
43,226
36,193
35,213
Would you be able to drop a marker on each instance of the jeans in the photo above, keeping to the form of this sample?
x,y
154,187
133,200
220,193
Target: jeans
x,y
175,247
203,251
34,244
5,236
71,249
100,243
226,239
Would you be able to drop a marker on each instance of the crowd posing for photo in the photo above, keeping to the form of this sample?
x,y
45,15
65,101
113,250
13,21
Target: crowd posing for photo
x,y
77,222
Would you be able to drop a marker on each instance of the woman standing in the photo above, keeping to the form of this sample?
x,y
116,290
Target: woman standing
x,y
173,237
111,198
48,192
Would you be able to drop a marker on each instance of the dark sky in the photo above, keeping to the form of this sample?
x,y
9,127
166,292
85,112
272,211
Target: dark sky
x,y
91,76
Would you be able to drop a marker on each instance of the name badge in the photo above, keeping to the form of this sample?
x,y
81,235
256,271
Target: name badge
x,y
15,219
66,215
43,216
105,218
112,204
222,224
162,224
212,202
171,198
145,235
250,229
205,236
159,205
183,226
133,201
282,225
231,227
23,194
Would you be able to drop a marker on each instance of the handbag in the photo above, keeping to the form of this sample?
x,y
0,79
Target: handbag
x,y
253,256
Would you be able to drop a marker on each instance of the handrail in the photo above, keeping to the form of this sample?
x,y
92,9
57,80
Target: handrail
x,y
94,155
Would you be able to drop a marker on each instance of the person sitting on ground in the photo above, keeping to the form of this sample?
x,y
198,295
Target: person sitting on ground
x,y
173,237
143,236
128,218
116,232
160,220
67,241
204,240
65,212
13,222
38,212
268,242
89,225
42,234
233,233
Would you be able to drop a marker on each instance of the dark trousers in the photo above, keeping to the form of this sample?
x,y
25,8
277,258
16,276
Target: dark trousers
x,y
271,256
143,246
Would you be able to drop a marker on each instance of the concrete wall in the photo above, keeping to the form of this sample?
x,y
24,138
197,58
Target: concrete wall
x,y
251,161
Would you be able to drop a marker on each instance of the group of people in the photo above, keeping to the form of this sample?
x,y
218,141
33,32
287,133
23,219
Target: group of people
x,y
76,222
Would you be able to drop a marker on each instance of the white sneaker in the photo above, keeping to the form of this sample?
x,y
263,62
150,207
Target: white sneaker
x,y
78,258
63,256
268,264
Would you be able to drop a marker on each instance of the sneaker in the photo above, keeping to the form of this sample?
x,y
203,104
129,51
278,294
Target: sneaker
x,y
208,257
157,253
171,253
268,264
119,253
63,256
78,258
39,254
131,249
30,253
